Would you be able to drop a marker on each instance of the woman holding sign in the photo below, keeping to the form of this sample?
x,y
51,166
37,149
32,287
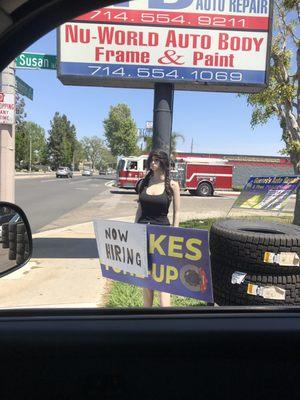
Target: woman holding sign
x,y
156,192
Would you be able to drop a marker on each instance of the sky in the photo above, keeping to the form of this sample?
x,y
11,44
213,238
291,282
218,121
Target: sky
x,y
216,122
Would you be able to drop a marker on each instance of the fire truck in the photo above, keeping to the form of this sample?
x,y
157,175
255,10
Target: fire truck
x,y
200,176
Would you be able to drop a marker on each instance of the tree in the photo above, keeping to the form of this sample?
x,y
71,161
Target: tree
x,y
107,159
20,111
121,131
92,148
31,137
147,137
20,135
282,97
79,154
61,141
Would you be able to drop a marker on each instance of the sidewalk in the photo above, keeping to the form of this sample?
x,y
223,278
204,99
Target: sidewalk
x,y
32,175
64,272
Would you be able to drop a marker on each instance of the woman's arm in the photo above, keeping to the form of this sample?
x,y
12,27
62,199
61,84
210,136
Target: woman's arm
x,y
176,202
138,212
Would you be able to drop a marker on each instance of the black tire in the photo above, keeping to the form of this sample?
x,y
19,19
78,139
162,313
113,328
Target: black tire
x,y
12,228
192,192
5,235
12,254
5,244
242,244
12,236
12,245
20,237
21,228
204,189
20,258
20,248
226,293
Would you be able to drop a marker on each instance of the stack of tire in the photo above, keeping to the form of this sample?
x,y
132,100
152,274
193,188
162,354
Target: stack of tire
x,y
240,246
15,238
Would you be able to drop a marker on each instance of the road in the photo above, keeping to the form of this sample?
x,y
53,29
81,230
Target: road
x,y
46,199
53,203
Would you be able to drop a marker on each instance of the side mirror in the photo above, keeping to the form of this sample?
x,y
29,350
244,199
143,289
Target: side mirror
x,y
15,238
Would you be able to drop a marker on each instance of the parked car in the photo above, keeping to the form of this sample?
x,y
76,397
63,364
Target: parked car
x,y
64,172
102,172
87,172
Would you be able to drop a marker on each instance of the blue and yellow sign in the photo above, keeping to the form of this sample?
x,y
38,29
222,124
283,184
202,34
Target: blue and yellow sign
x,y
268,193
178,263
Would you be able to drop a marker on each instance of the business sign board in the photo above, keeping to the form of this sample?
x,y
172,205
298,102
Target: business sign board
x,y
220,45
36,61
7,108
178,263
268,193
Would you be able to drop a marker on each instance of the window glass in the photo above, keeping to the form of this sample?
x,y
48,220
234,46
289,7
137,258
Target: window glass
x,y
236,185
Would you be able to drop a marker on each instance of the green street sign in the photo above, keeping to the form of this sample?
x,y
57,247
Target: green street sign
x,y
36,61
23,88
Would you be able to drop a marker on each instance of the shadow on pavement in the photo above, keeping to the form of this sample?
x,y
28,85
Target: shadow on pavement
x,y
64,248
132,191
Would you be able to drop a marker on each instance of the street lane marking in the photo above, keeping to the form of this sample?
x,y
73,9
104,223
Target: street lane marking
x,y
109,183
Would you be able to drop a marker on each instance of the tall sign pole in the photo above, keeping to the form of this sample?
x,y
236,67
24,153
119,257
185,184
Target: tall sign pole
x,y
7,134
162,116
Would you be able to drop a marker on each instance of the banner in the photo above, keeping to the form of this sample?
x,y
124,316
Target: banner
x,y
197,45
122,245
178,262
267,193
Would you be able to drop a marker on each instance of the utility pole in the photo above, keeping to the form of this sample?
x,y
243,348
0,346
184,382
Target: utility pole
x,y
162,116
192,145
7,135
30,152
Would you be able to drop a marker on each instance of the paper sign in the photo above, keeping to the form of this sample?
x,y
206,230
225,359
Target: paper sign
x,y
238,277
284,259
267,292
7,108
122,245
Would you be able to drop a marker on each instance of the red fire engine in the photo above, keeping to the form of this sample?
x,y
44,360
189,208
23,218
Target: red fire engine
x,y
200,176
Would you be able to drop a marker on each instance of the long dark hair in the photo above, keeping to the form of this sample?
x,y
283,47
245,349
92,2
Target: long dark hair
x,y
164,164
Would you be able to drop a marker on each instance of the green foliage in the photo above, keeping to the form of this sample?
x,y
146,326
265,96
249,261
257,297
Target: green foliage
x,y
30,132
281,99
61,141
124,295
79,154
20,111
121,131
92,147
147,138
107,159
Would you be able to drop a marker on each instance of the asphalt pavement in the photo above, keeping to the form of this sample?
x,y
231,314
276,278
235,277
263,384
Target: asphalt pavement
x,y
45,199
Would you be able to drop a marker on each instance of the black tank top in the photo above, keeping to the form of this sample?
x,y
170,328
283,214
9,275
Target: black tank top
x,y
155,208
